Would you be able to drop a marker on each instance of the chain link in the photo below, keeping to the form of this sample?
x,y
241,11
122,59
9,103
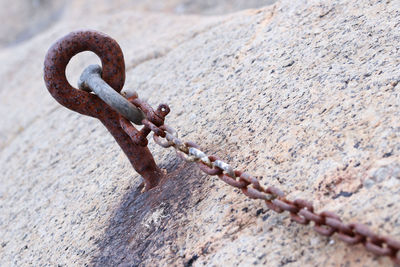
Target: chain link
x,y
301,211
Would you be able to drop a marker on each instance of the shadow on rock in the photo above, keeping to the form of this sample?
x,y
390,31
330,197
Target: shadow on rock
x,y
146,225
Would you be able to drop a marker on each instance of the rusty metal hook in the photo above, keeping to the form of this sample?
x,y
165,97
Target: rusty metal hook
x,y
113,73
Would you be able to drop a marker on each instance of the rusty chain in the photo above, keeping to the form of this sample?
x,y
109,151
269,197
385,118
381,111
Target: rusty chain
x,y
301,211
117,113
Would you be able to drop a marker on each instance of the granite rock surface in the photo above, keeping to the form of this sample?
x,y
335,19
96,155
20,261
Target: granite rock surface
x,y
302,94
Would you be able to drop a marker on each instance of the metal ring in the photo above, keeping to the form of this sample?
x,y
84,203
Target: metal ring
x,y
285,205
311,216
255,194
273,207
337,224
351,240
392,243
243,176
274,191
62,51
225,167
231,181
299,219
208,170
156,130
148,111
167,143
199,155
301,204
365,231
377,249
324,230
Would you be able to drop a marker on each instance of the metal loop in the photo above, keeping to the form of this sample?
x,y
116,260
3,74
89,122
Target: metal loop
x,y
311,216
163,110
166,143
273,207
158,141
329,214
392,243
324,230
250,180
185,157
351,239
285,205
208,170
231,181
255,194
153,128
177,143
152,116
113,74
274,191
301,204
338,225
199,155
364,231
225,167
183,151
299,219
374,242
63,50
378,249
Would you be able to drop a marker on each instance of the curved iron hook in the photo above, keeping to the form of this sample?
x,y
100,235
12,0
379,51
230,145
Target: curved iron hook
x,y
113,72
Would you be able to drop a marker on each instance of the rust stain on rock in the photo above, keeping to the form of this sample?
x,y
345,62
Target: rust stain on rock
x,y
341,183
145,227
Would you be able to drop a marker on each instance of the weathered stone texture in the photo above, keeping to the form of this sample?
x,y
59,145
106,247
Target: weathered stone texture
x,y
303,94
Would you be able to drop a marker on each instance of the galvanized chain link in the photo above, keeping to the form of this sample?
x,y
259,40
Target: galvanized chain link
x,y
90,80
301,211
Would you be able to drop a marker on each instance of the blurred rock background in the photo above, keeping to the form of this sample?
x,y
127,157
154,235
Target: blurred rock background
x,y
22,19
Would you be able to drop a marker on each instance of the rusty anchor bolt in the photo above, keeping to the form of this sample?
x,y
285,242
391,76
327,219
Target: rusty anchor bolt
x,y
106,104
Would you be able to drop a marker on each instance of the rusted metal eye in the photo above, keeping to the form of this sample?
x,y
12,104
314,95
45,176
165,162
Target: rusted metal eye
x,y
113,74
61,52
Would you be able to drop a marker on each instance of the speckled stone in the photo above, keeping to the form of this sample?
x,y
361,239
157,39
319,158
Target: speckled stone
x,y
302,94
